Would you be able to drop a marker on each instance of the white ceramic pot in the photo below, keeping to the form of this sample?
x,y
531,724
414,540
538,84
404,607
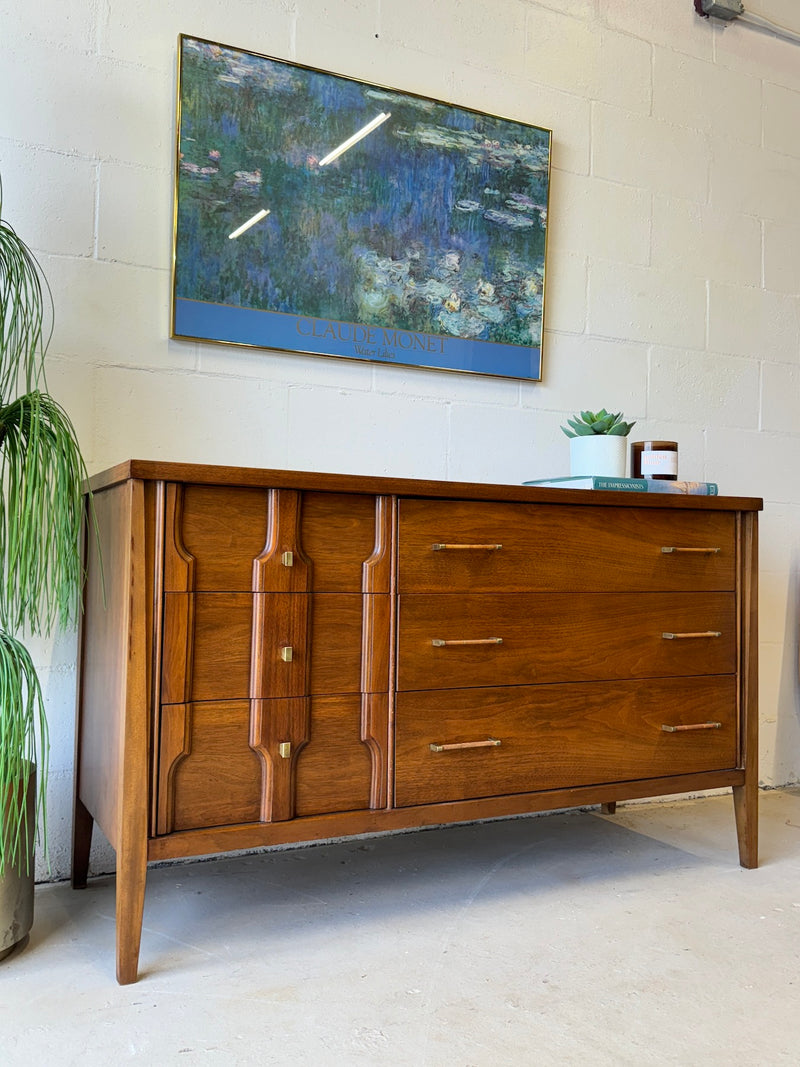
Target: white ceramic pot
x,y
601,453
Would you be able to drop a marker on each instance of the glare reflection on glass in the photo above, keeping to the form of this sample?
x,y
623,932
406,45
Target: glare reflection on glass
x,y
358,136
259,215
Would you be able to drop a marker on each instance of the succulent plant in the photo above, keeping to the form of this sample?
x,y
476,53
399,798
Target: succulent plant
x,y
600,422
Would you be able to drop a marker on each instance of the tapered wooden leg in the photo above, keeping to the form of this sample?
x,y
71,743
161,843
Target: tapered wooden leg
x,y
745,806
131,878
609,807
82,824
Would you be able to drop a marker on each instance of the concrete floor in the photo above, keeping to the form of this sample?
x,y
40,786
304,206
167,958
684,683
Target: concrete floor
x,y
569,939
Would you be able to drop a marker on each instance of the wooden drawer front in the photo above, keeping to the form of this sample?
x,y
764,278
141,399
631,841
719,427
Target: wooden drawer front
x,y
232,539
219,531
307,644
554,637
334,769
339,533
227,762
561,548
208,773
206,647
555,736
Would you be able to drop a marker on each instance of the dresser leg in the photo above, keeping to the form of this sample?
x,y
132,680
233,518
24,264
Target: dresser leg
x,y
82,824
609,807
131,878
745,806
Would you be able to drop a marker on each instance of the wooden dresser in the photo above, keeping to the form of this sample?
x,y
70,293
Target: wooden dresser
x,y
274,656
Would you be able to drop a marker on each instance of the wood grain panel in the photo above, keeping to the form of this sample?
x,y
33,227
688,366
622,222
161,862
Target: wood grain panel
x,y
207,645
334,768
280,623
561,548
224,528
177,652
219,780
377,570
218,647
179,563
338,532
282,566
376,735
104,661
378,625
336,628
279,730
174,745
559,735
112,735
376,652
556,637
324,631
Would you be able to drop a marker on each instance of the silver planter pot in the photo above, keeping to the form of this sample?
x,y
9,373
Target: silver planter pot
x,y
16,888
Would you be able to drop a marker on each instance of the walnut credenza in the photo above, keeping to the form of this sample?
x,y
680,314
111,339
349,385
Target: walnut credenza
x,y
273,656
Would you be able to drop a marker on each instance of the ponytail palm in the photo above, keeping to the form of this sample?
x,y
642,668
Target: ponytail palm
x,y
41,471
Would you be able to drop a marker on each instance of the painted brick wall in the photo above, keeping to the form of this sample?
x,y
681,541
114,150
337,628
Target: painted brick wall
x,y
673,266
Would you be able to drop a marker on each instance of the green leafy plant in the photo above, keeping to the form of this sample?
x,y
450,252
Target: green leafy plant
x,y
41,472
601,422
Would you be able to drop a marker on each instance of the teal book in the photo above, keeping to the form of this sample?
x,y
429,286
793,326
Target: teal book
x,y
632,485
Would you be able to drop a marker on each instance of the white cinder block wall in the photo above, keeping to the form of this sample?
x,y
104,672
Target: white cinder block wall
x,y
672,277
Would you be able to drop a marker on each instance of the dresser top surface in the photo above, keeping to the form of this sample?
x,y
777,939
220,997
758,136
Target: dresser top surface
x,y
258,477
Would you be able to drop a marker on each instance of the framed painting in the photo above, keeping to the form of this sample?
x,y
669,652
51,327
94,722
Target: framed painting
x,y
316,213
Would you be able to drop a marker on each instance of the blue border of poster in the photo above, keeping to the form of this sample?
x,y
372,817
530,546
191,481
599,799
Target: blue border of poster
x,y
328,337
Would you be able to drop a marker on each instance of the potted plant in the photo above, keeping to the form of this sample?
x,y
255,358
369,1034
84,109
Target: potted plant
x,y
597,443
41,473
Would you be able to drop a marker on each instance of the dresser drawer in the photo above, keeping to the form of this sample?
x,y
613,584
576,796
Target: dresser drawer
x,y
209,773
476,546
312,643
215,534
557,736
482,639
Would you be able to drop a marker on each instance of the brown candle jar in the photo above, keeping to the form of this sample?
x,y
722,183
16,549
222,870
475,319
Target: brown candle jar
x,y
655,459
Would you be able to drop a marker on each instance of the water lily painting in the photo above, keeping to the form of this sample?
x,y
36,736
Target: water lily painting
x,y
319,214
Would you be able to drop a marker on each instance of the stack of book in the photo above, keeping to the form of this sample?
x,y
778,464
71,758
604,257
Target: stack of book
x,y
634,485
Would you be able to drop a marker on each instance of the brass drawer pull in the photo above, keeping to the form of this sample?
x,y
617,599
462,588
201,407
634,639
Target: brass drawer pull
x,y
437,642
707,551
694,726
287,653
705,633
490,742
487,548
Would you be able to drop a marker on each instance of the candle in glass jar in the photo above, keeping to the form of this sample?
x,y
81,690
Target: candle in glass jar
x,y
654,459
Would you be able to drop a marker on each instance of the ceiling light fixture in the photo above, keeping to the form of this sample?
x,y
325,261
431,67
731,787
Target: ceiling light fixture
x,y
259,215
376,122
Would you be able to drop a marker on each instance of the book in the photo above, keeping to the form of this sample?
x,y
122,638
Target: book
x,y
633,485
